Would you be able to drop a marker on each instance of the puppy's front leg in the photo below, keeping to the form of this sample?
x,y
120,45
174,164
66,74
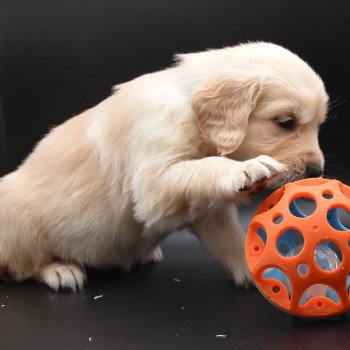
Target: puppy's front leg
x,y
221,234
178,194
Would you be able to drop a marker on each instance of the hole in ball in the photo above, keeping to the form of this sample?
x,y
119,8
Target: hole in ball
x,y
276,289
277,274
328,256
327,194
262,234
317,290
339,219
277,219
302,269
290,243
302,207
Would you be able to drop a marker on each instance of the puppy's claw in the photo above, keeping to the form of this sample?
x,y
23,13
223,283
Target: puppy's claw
x,y
156,256
63,276
245,188
263,179
255,174
245,284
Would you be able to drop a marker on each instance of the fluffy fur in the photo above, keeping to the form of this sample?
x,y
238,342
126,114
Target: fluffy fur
x,y
167,150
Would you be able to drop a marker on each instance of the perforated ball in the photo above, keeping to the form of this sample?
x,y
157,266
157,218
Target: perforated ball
x,y
298,248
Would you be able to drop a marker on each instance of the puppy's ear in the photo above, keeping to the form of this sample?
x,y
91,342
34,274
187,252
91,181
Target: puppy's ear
x,y
222,109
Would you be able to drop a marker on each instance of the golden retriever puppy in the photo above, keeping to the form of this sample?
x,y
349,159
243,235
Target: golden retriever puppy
x,y
172,149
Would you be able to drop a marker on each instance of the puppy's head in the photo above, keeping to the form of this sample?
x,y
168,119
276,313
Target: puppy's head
x,y
263,99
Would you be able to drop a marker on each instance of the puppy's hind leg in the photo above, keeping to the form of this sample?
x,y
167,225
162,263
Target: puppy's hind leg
x,y
26,259
39,265
61,275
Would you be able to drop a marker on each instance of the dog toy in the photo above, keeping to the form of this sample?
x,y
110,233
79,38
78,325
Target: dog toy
x,y
298,248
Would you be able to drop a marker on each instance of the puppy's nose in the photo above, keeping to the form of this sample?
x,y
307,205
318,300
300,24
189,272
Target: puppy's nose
x,y
313,170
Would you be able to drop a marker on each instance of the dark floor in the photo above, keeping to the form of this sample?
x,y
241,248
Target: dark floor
x,y
185,302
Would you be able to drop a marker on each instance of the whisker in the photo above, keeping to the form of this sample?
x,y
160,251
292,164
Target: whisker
x,y
330,173
332,166
335,100
336,103
332,116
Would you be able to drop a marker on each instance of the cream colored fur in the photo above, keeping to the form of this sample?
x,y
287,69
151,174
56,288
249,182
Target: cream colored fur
x,y
167,150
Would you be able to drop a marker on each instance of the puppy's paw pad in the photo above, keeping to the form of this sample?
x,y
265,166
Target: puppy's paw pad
x,y
156,256
63,276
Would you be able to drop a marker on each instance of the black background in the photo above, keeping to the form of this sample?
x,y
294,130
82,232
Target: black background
x,y
61,57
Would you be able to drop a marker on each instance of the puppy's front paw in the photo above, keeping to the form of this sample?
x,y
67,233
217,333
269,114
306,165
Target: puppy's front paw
x,y
241,275
255,173
156,256
63,276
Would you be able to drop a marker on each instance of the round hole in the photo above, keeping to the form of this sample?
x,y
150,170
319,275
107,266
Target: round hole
x,y
290,243
302,207
315,227
256,248
339,219
328,256
276,289
327,194
302,269
317,290
277,219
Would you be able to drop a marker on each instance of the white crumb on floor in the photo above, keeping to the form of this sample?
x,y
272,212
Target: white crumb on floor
x,y
220,335
182,308
98,297
176,280
90,339
3,305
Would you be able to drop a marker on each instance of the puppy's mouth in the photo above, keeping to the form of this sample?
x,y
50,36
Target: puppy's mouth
x,y
261,186
275,182
296,169
286,177
281,180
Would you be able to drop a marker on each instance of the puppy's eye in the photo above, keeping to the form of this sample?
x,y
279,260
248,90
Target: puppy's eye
x,y
285,121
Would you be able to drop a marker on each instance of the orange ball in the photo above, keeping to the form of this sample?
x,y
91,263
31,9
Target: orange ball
x,y
297,248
